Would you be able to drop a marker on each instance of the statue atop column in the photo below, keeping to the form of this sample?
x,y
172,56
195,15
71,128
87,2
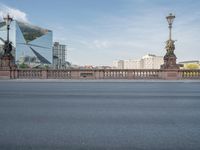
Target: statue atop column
x,y
170,47
7,48
7,60
170,57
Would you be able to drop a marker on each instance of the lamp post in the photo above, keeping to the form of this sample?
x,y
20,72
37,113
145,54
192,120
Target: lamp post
x,y
7,60
7,44
170,57
170,20
8,21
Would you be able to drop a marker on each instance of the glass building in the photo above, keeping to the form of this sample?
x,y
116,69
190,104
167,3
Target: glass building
x,y
32,45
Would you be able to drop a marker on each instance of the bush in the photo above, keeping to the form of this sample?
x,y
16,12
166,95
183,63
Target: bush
x,y
23,66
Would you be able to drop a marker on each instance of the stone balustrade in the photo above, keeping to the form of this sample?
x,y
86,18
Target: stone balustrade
x,y
134,74
58,74
190,74
29,74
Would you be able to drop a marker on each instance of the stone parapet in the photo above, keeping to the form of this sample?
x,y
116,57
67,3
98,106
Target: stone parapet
x,y
137,74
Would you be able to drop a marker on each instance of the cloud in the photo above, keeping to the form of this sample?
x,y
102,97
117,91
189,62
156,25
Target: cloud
x,y
15,13
100,44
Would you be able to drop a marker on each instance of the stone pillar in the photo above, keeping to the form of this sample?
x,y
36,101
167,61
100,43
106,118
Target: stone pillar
x,y
7,62
7,67
97,74
44,74
5,74
75,74
170,74
129,74
100,74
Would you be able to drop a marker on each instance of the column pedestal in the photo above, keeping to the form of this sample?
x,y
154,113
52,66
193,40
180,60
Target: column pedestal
x,y
170,63
7,62
7,67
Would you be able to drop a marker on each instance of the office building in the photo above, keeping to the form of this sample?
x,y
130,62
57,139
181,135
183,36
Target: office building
x,y
59,55
120,64
132,64
146,62
115,64
1,50
193,64
151,62
32,45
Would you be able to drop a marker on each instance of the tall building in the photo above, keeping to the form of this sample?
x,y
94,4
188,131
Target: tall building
x,y
31,42
115,64
151,61
146,62
121,64
132,64
1,50
59,55
118,64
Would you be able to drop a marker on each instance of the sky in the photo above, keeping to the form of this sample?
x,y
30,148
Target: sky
x,y
98,32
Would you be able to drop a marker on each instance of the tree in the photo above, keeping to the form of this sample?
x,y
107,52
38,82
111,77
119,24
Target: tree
x,y
23,66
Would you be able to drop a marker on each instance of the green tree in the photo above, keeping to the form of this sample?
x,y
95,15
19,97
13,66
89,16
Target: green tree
x,y
23,66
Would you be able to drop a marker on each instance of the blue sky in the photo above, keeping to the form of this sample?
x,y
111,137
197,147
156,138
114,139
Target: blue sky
x,y
100,31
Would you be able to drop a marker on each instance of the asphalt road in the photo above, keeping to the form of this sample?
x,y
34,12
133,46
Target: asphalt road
x,y
99,115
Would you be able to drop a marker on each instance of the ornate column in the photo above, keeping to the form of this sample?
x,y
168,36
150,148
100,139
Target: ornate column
x,y
7,60
170,57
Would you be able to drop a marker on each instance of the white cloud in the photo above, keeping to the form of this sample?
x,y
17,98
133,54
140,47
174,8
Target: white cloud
x,y
15,13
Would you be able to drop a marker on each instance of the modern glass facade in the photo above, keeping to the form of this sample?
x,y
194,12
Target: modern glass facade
x,y
32,44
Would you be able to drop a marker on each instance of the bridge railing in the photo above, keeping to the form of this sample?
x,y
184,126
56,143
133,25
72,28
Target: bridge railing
x,y
29,74
58,74
190,74
144,74
131,74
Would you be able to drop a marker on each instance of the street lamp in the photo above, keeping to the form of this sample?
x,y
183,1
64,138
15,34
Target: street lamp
x,y
170,20
170,57
7,60
8,19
